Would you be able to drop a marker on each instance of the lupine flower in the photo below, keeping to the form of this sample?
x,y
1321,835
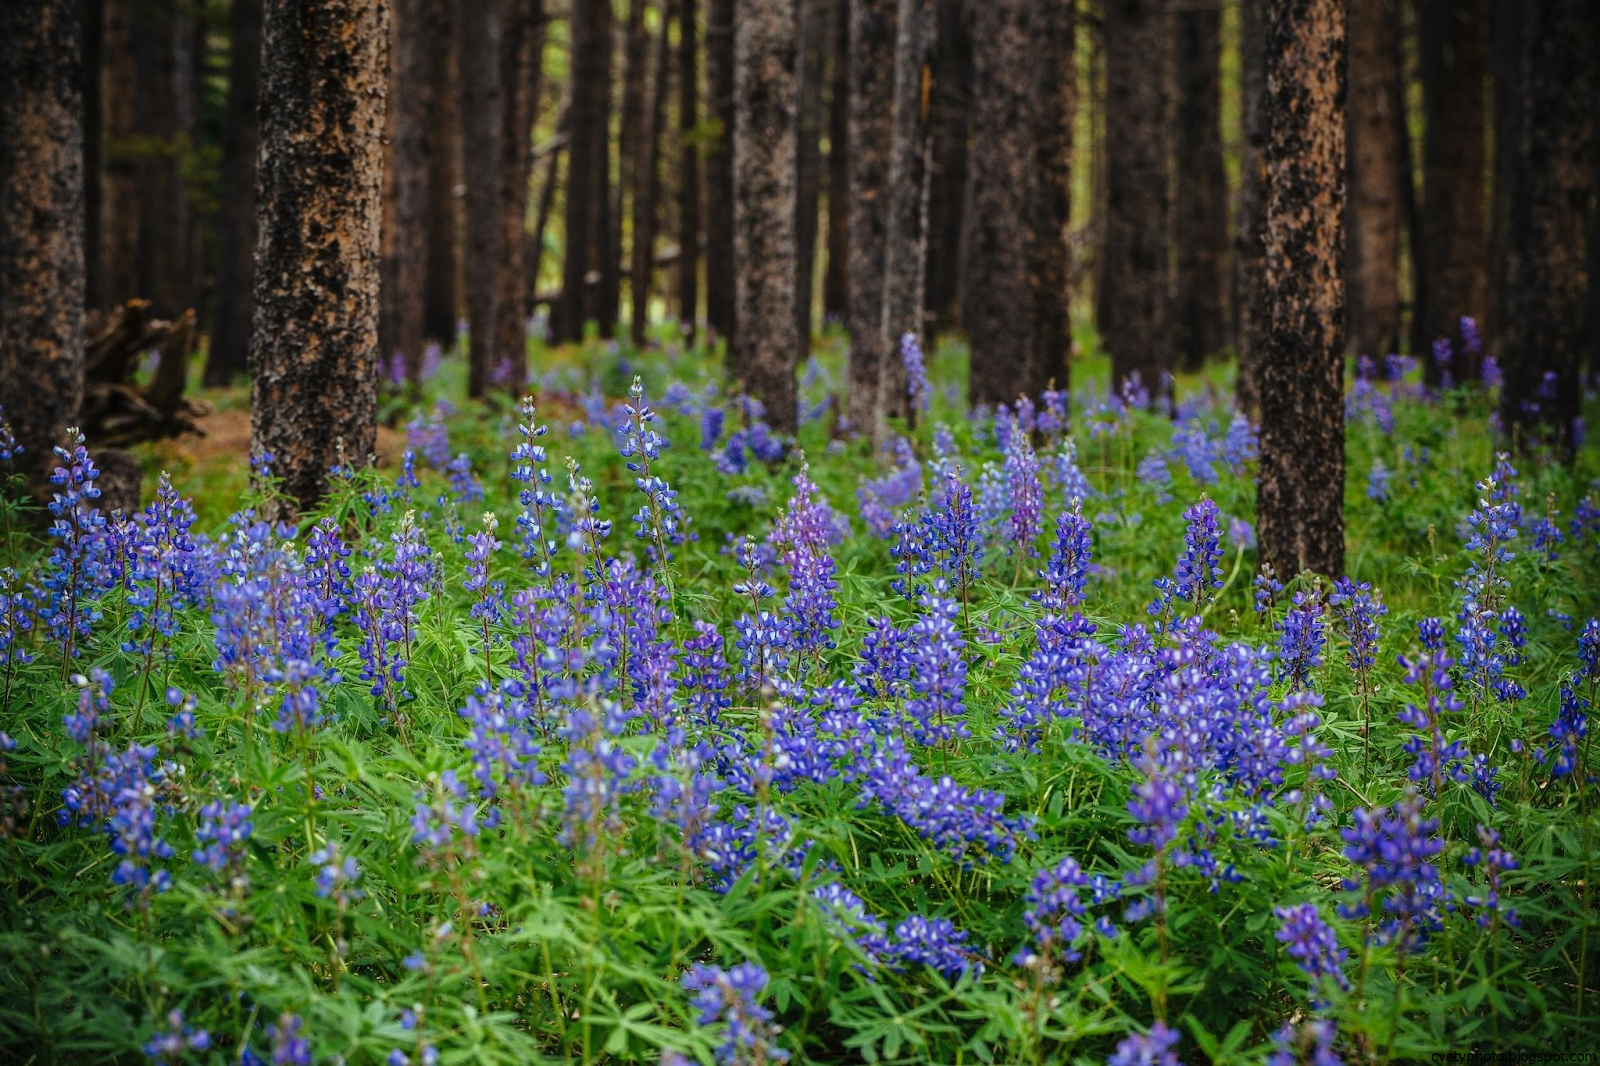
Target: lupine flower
x,y
289,1048
1311,1044
1024,493
732,998
444,816
542,509
1267,588
172,1045
1311,943
1241,443
802,536
1357,608
1068,571
224,829
916,372
1493,860
967,824
1437,757
1378,481
1156,1049
78,570
658,521
1304,635
502,747
1152,470
1054,913
847,915
937,670
1199,571
935,943
337,875
1395,847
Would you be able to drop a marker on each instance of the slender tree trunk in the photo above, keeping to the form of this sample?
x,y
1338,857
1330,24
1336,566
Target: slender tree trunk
x,y
1300,494
229,353
765,352
1014,303
405,275
721,202
1250,246
1505,42
721,306
162,204
1452,40
521,49
635,89
314,364
647,174
482,100
1134,299
121,207
94,252
809,79
872,39
442,303
41,224
947,187
836,274
587,150
1547,267
1377,115
1200,217
608,251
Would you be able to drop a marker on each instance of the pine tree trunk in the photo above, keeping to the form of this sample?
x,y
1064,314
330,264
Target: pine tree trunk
x,y
521,51
1134,305
229,353
1547,268
442,302
721,199
635,89
41,225
1014,303
1505,42
1300,493
121,206
1452,40
405,274
809,79
94,253
314,362
872,40
482,100
1250,247
587,169
947,186
836,273
765,134
162,195
1200,211
1372,238
721,306
647,175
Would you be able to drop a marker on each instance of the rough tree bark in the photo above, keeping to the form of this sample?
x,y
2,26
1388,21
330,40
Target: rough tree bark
x,y
41,224
314,364
809,80
1546,267
94,257
442,301
1014,301
765,352
587,150
1250,248
121,204
1372,235
1454,275
647,179
947,187
721,306
482,100
836,273
229,352
1200,210
521,47
1134,304
872,39
1300,492
163,203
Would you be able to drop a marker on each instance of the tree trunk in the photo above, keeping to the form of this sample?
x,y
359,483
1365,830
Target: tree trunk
x,y
721,306
314,363
229,350
482,100
1377,117
442,303
1505,41
1200,218
94,257
809,79
1546,268
836,273
635,87
1300,494
547,199
1014,302
521,52
721,205
410,105
1452,42
647,174
1134,301
163,197
765,352
947,186
587,149
41,225
1250,247
121,207
872,40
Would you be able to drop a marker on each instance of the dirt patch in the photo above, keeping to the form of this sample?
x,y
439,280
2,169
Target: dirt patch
x,y
224,439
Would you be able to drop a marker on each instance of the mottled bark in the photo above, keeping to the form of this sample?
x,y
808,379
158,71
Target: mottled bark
x,y
721,306
410,105
947,185
1134,302
587,169
314,362
872,39
521,47
1014,301
481,116
1372,234
1452,43
809,80
442,302
121,203
1546,264
1200,209
229,351
647,178
41,224
836,272
765,348
1250,248
1300,492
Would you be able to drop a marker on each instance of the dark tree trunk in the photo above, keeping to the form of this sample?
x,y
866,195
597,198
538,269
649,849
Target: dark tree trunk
x,y
1200,215
1014,301
836,273
1452,43
121,207
721,305
765,352
809,79
410,104
94,253
1300,493
314,363
41,224
647,175
442,303
1505,41
1547,266
587,152
1377,124
721,204
229,353
635,87
608,295
163,223
1134,304
872,39
521,51
1250,247
482,100
947,186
